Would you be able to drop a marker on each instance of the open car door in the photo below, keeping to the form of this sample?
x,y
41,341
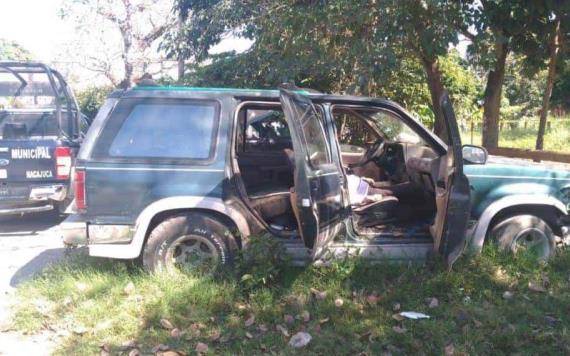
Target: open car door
x,y
317,196
452,194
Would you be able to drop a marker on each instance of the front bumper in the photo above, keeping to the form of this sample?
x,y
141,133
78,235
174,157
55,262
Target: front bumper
x,y
75,230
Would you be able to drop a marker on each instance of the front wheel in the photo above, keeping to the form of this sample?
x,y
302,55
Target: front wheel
x,y
193,242
525,233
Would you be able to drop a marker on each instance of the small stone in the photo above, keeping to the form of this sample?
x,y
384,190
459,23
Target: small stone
x,y
134,352
449,350
249,322
248,335
129,288
201,348
339,302
166,324
535,287
175,333
433,303
508,295
300,339
320,295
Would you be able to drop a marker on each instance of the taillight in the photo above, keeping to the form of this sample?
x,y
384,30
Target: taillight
x,y
62,162
79,181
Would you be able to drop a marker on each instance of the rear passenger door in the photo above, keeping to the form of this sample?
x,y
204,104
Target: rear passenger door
x,y
317,198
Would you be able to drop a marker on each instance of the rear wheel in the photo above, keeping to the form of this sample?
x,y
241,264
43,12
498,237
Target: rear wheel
x,y
192,242
527,233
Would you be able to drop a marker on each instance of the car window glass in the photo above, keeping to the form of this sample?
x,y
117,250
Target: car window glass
x,y
353,133
393,128
314,135
266,130
166,131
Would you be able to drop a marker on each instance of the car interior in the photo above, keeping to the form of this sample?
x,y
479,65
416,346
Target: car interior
x,y
374,144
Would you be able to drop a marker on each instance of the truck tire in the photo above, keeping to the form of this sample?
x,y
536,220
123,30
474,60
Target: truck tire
x,y
193,242
525,232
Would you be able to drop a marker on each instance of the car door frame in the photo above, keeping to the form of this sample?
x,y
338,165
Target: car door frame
x,y
319,189
452,229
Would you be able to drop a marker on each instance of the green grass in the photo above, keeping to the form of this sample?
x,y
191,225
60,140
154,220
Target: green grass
x,y
472,315
556,138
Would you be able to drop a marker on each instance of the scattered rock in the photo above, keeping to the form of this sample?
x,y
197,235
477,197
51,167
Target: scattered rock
x,y
135,352
201,348
449,350
248,335
105,350
249,322
175,333
262,328
508,295
325,320
169,353
300,339
166,324
433,303
339,302
129,288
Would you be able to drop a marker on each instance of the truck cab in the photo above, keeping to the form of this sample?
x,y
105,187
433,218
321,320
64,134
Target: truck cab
x,y
41,129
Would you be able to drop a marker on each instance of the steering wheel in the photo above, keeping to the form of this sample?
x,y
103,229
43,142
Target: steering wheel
x,y
373,152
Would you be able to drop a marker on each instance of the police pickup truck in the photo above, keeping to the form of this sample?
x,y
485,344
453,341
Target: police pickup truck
x,y
40,131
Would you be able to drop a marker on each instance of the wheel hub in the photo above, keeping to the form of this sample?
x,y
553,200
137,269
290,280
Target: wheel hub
x,y
193,253
532,240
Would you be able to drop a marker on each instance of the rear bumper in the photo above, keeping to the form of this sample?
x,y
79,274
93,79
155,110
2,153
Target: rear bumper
x,y
76,231
73,230
40,198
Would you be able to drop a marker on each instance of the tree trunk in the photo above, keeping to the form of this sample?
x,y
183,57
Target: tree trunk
x,y
436,89
180,56
493,94
554,48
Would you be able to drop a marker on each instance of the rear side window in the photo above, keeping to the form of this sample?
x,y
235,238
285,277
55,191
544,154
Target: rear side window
x,y
160,129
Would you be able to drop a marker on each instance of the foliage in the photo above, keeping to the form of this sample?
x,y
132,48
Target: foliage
x,y
91,99
560,95
261,263
94,302
10,50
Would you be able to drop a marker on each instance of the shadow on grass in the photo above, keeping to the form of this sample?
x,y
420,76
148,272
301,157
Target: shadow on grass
x,y
116,303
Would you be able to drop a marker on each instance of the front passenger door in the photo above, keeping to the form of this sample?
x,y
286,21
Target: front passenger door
x,y
452,194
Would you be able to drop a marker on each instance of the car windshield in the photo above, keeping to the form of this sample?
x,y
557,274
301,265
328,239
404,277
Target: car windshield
x,y
27,106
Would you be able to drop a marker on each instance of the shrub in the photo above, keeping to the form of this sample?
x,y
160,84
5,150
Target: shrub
x,y
91,99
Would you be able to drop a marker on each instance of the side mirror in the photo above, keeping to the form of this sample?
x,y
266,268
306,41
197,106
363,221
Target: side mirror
x,y
475,154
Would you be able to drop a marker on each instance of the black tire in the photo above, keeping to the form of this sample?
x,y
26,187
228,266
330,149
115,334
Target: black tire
x,y
525,231
178,236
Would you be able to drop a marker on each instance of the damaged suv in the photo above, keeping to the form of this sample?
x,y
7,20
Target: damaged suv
x,y
181,177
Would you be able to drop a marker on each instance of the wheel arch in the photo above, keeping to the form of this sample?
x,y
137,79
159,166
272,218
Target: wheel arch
x,y
157,211
546,207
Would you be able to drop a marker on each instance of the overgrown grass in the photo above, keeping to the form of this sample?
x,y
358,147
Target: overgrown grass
x,y
85,298
556,137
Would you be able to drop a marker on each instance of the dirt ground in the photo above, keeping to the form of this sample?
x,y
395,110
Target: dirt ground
x,y
27,245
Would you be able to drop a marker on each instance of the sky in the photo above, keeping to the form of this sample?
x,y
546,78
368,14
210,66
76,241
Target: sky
x,y
38,27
